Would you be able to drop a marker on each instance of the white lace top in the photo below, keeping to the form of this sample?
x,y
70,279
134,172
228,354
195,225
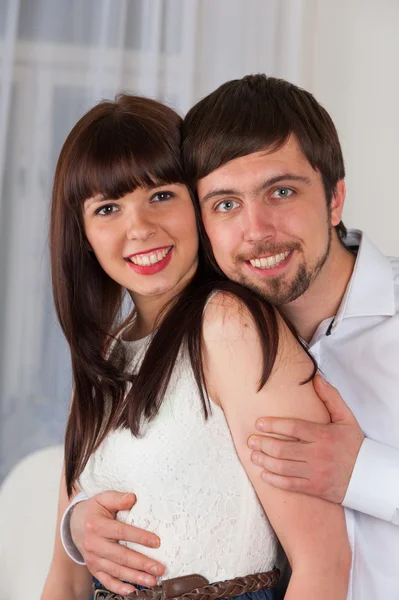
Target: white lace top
x,y
191,488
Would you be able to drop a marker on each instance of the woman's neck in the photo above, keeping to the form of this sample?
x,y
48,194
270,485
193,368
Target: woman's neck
x,y
144,324
150,308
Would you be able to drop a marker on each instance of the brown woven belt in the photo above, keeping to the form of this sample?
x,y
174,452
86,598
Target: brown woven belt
x,y
196,587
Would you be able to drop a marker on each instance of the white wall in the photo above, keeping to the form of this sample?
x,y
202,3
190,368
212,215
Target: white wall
x,y
353,71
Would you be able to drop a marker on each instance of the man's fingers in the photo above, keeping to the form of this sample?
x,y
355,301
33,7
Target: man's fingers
x,y
117,531
288,468
279,448
123,573
98,549
115,501
333,401
289,484
304,431
114,585
131,559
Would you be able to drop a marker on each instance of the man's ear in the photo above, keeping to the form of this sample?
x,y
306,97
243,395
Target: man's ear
x,y
337,203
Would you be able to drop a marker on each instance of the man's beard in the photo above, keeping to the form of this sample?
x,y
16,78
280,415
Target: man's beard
x,y
276,290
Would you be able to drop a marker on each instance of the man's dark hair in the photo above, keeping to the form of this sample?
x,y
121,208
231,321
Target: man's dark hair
x,y
257,112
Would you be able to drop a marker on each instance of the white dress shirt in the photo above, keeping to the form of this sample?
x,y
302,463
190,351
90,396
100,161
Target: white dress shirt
x,y
358,352
65,530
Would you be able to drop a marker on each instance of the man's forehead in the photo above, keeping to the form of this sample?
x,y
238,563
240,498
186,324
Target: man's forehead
x,y
289,153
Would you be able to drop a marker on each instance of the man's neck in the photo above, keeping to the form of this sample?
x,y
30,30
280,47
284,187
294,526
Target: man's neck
x,y
324,296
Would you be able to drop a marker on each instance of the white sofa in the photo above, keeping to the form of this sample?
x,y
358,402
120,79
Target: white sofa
x,y
28,509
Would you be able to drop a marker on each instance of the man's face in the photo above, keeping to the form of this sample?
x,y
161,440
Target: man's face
x,y
267,219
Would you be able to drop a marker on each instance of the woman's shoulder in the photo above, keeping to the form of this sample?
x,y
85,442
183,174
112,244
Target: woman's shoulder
x,y
228,317
243,364
230,323
225,316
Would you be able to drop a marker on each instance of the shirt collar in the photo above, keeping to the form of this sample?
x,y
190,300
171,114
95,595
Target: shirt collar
x,y
370,291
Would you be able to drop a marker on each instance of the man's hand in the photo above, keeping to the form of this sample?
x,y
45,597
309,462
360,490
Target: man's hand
x,y
96,533
316,459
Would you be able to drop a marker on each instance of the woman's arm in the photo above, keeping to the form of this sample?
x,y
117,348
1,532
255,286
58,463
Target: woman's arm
x,y
311,531
66,580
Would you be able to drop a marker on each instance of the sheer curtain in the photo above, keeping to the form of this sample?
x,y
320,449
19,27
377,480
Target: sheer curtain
x,y
57,59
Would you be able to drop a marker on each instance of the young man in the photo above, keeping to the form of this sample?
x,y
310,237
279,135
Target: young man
x,y
267,164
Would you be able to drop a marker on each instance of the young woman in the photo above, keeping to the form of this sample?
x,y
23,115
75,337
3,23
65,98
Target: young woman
x,y
197,360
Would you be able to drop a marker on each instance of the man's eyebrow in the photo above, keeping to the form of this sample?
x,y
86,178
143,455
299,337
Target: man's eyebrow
x,y
218,192
268,183
283,177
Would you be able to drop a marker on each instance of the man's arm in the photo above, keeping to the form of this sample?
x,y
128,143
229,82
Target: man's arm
x,y
90,534
374,486
65,530
66,580
334,461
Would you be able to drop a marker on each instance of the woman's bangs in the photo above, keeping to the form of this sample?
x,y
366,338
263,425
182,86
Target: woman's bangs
x,y
115,163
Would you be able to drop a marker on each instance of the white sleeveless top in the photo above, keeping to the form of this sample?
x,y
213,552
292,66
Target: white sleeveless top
x,y
191,488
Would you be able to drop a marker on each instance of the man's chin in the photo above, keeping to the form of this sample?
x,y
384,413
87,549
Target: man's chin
x,y
275,299
277,291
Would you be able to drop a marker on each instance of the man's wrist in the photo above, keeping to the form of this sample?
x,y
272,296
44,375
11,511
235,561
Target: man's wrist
x,y
65,531
374,485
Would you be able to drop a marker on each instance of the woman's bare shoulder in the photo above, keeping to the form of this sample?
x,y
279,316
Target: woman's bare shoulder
x,y
226,317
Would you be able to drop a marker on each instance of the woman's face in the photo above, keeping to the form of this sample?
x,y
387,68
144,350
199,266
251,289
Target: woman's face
x,y
146,241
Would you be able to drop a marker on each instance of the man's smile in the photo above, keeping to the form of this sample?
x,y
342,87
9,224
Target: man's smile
x,y
267,262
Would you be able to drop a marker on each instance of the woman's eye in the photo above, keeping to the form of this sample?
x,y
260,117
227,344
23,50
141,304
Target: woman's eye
x,y
283,193
106,210
226,206
162,196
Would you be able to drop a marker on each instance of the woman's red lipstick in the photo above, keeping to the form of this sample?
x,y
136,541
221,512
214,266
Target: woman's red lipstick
x,y
150,269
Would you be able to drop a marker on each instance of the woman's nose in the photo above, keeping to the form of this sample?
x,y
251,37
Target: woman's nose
x,y
139,227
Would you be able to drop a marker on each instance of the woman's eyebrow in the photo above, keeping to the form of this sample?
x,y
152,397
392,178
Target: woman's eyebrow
x,y
94,200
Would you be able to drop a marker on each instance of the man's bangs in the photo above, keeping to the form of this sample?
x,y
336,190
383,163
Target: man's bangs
x,y
113,166
228,138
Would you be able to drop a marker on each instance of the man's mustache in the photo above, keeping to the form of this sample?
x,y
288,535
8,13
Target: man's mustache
x,y
260,250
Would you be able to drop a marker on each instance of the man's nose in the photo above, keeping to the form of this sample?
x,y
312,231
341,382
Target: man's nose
x,y
258,223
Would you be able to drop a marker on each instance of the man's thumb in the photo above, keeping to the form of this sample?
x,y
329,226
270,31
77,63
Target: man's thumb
x,y
333,401
114,501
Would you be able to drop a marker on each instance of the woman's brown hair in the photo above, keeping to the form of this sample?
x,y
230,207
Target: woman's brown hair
x,y
115,148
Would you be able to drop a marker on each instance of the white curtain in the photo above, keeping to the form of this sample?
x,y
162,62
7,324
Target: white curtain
x,y
57,59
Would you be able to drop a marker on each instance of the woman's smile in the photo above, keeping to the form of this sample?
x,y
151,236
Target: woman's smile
x,y
151,262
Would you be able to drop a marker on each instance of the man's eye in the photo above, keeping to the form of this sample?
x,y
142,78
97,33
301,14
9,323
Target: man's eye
x,y
106,210
283,192
162,196
226,206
